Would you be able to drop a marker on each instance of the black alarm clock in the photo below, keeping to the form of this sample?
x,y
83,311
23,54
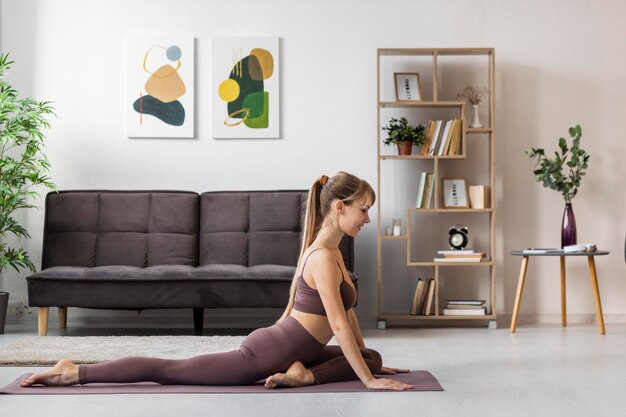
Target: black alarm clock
x,y
458,237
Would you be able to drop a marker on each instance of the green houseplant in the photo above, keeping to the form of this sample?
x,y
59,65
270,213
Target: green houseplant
x,y
22,166
563,173
401,133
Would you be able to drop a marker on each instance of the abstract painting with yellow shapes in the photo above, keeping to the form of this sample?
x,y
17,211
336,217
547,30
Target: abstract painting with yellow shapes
x,y
160,87
245,87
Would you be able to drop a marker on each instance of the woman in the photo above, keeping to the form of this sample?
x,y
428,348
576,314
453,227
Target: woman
x,y
292,352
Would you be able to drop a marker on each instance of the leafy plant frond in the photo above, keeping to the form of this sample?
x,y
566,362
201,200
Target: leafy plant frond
x,y
399,130
22,163
560,173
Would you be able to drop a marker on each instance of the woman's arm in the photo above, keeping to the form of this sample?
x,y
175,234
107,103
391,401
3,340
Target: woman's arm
x,y
354,325
327,278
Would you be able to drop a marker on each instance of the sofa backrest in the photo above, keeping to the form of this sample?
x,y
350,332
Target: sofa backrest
x,y
255,227
134,228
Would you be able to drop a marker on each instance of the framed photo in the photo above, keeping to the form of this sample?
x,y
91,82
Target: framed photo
x,y
454,193
408,86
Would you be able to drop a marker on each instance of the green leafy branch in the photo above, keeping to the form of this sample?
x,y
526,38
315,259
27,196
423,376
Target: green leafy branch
x,y
22,163
559,173
399,130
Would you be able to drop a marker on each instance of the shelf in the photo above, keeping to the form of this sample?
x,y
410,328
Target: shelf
x,y
451,210
446,264
431,51
384,104
404,316
384,157
403,237
478,130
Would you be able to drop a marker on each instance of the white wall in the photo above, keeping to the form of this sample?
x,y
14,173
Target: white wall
x,y
558,63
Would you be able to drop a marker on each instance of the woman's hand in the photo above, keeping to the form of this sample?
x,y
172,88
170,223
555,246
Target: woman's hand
x,y
389,384
392,371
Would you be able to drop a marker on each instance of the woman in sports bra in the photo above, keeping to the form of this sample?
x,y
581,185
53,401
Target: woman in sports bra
x,y
294,351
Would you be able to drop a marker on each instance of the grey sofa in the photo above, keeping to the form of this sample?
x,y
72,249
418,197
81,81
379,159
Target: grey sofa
x,y
140,250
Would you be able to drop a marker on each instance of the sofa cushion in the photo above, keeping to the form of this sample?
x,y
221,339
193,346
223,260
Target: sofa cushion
x,y
259,272
251,228
133,228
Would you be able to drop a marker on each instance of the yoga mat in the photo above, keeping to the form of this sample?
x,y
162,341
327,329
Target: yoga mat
x,y
423,381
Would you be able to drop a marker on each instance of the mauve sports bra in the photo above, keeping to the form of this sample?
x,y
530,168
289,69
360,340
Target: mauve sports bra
x,y
308,299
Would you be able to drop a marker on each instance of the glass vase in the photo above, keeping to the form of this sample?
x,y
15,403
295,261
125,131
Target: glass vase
x,y
476,120
568,226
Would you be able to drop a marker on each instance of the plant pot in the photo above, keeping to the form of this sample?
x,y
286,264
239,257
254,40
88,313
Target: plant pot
x,y
568,226
405,147
4,302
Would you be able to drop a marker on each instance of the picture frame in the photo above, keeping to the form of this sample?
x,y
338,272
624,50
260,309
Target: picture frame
x,y
454,193
408,86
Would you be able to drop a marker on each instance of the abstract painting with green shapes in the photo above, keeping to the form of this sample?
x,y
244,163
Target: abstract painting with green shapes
x,y
245,73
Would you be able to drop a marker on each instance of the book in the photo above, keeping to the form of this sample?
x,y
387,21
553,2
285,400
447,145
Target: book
x,y
420,190
454,251
464,255
455,142
445,137
458,259
428,191
419,290
430,298
475,307
436,137
542,250
428,137
470,302
464,312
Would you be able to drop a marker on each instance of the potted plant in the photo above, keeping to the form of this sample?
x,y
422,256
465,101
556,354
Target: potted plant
x,y
474,96
22,166
401,133
564,176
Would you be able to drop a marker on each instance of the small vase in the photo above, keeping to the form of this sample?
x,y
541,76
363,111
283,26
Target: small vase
x,y
568,227
476,120
405,147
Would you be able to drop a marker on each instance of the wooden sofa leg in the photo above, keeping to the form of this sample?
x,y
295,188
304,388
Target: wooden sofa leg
x,y
42,316
198,319
62,317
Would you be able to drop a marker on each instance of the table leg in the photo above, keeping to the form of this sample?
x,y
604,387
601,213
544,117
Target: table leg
x,y
596,292
563,302
520,289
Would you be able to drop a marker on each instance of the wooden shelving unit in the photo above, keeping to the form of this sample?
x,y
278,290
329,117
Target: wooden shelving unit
x,y
436,100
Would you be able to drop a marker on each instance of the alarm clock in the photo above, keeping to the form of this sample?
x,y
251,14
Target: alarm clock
x,y
458,237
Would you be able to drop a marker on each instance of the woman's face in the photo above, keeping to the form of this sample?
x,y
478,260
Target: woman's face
x,y
354,216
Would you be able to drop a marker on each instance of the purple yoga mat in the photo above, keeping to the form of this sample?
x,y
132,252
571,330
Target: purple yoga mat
x,y
423,381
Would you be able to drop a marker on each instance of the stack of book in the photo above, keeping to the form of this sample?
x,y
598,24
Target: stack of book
x,y
443,137
425,191
459,255
424,298
465,308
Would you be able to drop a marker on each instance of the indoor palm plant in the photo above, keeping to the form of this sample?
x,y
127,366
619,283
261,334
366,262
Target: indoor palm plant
x,y
22,166
401,133
564,176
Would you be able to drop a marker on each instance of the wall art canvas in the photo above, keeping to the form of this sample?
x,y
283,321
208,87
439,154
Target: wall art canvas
x,y
159,101
245,87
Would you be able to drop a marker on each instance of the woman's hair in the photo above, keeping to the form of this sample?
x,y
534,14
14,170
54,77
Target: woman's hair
x,y
341,186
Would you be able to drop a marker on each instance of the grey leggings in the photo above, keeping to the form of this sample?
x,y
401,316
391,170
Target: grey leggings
x,y
262,353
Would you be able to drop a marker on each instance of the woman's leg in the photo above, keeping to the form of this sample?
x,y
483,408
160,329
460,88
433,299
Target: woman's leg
x,y
332,366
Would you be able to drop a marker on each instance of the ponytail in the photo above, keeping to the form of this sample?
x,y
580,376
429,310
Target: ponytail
x,y
312,224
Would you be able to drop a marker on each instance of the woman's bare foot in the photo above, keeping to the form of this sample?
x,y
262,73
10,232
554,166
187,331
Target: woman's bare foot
x,y
64,373
296,376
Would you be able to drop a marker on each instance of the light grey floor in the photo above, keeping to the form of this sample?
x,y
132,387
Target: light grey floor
x,y
539,371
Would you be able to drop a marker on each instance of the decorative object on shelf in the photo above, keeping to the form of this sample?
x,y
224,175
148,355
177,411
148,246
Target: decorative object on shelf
x,y
160,87
554,174
408,86
23,166
245,95
454,193
474,96
401,133
397,227
479,196
458,237
388,231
